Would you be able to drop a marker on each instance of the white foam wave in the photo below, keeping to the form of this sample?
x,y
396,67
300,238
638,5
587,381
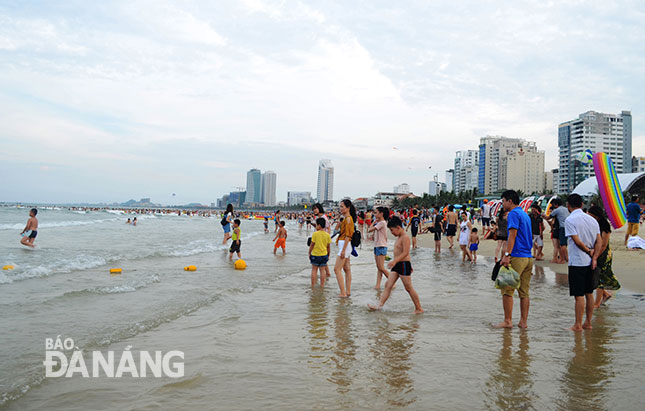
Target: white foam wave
x,y
67,223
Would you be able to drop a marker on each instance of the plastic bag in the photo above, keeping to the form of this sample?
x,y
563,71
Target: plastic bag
x,y
507,277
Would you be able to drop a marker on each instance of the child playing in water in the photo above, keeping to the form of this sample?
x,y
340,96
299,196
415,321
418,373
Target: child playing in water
x,y
237,242
281,237
32,228
400,267
266,224
474,244
319,250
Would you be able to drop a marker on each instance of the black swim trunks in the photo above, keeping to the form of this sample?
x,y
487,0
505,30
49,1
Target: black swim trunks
x,y
451,230
403,268
33,234
437,235
235,247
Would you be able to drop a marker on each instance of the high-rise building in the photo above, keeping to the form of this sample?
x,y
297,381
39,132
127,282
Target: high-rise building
x,y
450,178
523,171
325,191
466,170
497,153
434,188
237,198
298,197
253,186
598,132
269,188
403,188
638,164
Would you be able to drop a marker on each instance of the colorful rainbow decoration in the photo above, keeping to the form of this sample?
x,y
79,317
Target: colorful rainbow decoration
x,y
609,188
526,203
549,207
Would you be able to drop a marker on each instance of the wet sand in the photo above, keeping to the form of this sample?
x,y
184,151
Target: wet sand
x,y
627,264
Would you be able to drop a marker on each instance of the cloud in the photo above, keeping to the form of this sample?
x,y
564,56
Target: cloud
x,y
171,92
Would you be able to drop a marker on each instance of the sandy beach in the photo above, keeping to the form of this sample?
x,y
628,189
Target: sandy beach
x,y
627,264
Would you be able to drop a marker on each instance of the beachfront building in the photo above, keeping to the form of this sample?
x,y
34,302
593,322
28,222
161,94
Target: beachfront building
x,y
295,198
384,199
269,188
509,163
403,188
237,198
597,132
523,171
325,191
253,186
466,170
549,177
638,164
450,176
434,188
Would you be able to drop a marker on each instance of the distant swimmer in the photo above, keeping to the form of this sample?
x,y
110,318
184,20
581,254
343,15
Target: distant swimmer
x,y
129,221
280,239
31,230
400,266
134,222
237,240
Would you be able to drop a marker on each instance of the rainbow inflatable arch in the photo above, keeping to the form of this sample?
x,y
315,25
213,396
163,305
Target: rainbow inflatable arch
x,y
609,189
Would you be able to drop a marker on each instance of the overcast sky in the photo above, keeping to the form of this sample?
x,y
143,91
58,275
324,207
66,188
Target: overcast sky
x,y
112,100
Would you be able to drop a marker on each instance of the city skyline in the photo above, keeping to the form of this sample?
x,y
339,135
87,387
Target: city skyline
x,y
101,101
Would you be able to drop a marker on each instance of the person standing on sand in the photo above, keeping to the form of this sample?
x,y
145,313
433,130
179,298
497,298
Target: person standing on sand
x,y
345,248
634,212
32,228
608,281
518,255
486,217
537,228
414,225
502,233
379,228
583,234
561,214
464,237
401,267
451,230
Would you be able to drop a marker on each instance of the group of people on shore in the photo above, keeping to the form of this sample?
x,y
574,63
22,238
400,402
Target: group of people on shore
x,y
582,242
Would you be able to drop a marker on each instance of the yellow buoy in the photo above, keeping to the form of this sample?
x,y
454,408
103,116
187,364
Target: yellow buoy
x,y
8,267
240,265
115,270
190,268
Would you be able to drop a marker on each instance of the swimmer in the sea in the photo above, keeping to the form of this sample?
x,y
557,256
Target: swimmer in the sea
x,y
31,229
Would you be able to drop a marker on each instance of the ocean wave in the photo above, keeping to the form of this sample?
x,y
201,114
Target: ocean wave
x,y
115,289
61,266
66,223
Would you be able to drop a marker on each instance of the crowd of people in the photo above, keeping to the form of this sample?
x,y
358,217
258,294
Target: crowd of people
x,y
580,238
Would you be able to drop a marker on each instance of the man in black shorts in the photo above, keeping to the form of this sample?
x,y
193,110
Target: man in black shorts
x,y
583,234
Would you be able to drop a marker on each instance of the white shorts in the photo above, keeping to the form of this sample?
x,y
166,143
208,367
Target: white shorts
x,y
538,241
348,251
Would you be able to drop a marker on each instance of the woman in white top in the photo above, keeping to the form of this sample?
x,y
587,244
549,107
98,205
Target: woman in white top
x,y
464,236
379,228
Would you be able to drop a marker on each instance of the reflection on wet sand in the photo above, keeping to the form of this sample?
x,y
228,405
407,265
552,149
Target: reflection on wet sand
x,y
317,326
344,352
392,346
589,370
510,385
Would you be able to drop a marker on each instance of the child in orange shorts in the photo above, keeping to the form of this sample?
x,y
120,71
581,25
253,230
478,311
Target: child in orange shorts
x,y
280,239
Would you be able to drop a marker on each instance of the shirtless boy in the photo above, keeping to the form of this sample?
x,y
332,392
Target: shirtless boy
x,y
281,237
451,230
32,226
400,266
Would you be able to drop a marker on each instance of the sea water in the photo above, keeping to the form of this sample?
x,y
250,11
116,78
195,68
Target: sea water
x,y
262,339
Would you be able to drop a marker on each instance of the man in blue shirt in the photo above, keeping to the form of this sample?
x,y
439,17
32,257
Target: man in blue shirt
x,y
518,256
634,212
